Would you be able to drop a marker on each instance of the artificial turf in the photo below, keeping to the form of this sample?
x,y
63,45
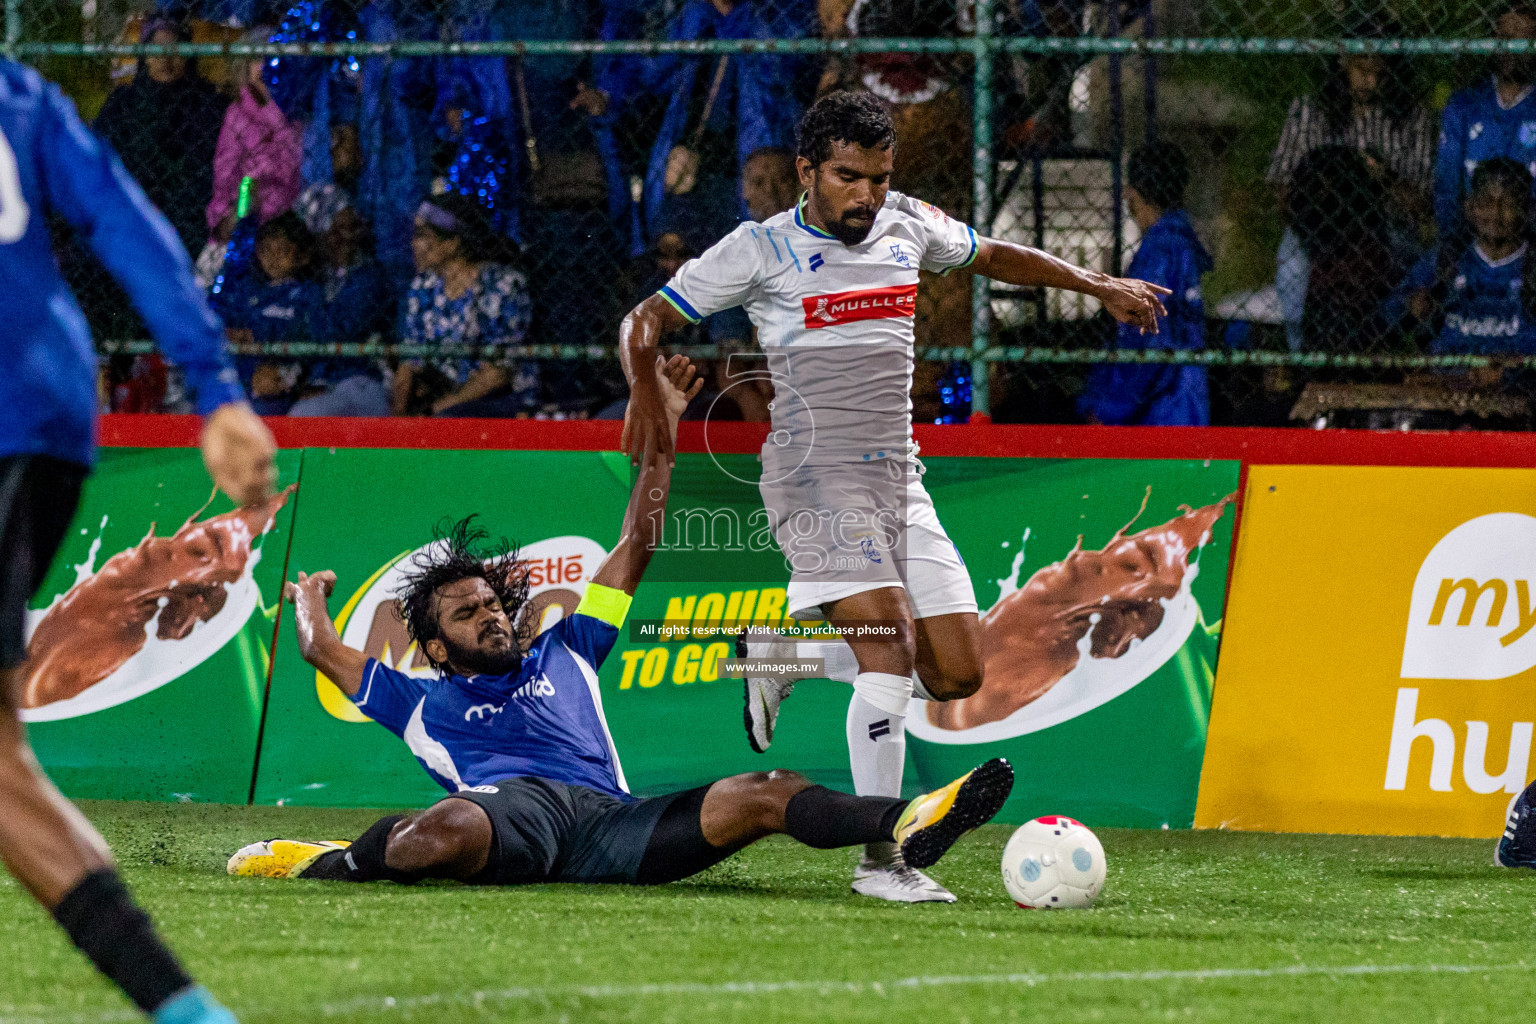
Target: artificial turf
x,y
1192,926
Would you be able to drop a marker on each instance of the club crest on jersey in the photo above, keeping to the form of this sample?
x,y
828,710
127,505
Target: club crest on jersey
x,y
865,304
900,255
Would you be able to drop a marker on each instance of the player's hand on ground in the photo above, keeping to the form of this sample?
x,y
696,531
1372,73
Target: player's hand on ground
x,y
679,381
1134,302
318,586
240,453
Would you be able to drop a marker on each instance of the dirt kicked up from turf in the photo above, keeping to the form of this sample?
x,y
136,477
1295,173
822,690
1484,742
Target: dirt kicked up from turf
x,y
1205,926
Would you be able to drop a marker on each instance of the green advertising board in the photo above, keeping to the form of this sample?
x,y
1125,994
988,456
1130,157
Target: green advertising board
x,y
1100,633
151,636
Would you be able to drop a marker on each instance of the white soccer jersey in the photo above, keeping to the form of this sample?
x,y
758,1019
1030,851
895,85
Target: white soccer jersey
x,y
834,320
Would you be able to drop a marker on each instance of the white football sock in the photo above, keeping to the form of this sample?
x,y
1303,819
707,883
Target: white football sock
x,y
919,690
877,742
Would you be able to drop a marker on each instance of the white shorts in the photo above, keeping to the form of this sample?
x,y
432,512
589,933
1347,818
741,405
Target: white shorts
x,y
857,527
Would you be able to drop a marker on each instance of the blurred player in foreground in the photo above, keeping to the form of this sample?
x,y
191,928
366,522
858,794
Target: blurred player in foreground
x,y
519,741
51,163
1517,846
831,287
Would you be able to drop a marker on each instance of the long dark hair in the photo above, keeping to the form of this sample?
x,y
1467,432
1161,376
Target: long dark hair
x,y
1395,90
465,551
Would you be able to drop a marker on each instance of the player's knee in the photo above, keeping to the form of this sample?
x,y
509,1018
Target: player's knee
x,y
762,796
18,765
954,685
445,834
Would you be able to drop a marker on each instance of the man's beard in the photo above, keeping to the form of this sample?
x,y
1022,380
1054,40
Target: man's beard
x,y
849,234
477,661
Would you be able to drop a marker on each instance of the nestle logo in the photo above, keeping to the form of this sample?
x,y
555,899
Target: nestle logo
x,y
868,304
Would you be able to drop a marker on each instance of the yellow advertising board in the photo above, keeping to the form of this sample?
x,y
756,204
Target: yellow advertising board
x,y
1378,672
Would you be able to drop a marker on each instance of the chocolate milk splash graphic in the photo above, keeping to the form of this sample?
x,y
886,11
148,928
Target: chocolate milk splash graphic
x,y
1116,596
100,623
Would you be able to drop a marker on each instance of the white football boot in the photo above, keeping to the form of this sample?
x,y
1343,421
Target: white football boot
x,y
891,879
764,694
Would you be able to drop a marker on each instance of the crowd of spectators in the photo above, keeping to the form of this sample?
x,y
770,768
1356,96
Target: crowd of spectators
x,y
488,202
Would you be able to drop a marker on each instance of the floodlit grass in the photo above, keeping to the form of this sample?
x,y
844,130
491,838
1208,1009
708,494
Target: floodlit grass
x,y
1191,927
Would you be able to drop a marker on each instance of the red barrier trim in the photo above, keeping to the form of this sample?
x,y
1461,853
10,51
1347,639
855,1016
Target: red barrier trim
x,y
1281,446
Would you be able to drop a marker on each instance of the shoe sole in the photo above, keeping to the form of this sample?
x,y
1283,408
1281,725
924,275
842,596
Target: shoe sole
x,y
979,799
746,700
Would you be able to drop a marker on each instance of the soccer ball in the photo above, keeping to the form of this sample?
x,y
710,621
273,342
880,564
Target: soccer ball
x,y
1053,862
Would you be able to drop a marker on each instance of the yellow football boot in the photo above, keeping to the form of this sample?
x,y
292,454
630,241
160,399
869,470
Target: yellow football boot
x,y
934,821
279,858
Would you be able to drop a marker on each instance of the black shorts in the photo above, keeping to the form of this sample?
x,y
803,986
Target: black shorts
x,y
38,496
549,831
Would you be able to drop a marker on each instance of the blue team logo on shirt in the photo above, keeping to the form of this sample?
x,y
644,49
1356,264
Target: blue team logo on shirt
x,y
816,261
1528,134
900,255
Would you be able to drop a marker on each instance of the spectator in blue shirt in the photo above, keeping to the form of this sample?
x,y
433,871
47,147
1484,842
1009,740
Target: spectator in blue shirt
x,y
1170,255
356,306
1480,293
277,300
1493,119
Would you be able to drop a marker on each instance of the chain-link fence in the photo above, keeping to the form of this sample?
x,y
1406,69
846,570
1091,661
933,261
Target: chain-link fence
x,y
1335,257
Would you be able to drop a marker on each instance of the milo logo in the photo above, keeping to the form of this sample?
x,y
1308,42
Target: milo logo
x,y
558,570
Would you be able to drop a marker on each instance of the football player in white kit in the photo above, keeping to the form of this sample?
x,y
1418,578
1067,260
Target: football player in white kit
x,y
831,287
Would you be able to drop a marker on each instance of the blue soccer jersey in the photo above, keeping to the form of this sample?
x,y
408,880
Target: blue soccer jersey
x,y
51,163
1484,313
1476,127
545,720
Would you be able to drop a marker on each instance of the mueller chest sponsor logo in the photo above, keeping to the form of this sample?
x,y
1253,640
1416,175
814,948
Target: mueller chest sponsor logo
x,y
866,304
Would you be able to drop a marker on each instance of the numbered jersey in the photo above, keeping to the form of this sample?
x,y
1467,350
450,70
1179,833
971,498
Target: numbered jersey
x,y
834,322
51,163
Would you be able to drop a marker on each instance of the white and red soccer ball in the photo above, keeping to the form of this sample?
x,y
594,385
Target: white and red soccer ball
x,y
1053,862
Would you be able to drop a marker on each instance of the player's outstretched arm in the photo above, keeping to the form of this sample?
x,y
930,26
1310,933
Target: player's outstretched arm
x,y
645,418
644,519
318,642
88,186
1128,300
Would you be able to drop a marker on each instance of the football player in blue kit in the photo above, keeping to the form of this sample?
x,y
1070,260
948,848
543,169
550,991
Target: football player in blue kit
x,y
50,163
536,792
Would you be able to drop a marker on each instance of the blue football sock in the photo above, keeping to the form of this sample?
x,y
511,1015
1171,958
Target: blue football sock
x,y
195,1005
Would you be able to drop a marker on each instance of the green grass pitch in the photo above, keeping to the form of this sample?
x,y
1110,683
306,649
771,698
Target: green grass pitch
x,y
1192,926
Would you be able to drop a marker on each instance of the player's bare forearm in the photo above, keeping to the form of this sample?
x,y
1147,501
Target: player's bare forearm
x,y
645,517
1034,268
1126,299
318,643
640,336
644,521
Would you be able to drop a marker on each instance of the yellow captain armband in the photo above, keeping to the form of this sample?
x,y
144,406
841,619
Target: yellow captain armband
x,y
605,603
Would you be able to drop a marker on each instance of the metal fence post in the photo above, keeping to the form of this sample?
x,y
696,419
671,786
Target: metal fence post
x,y
981,216
12,27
